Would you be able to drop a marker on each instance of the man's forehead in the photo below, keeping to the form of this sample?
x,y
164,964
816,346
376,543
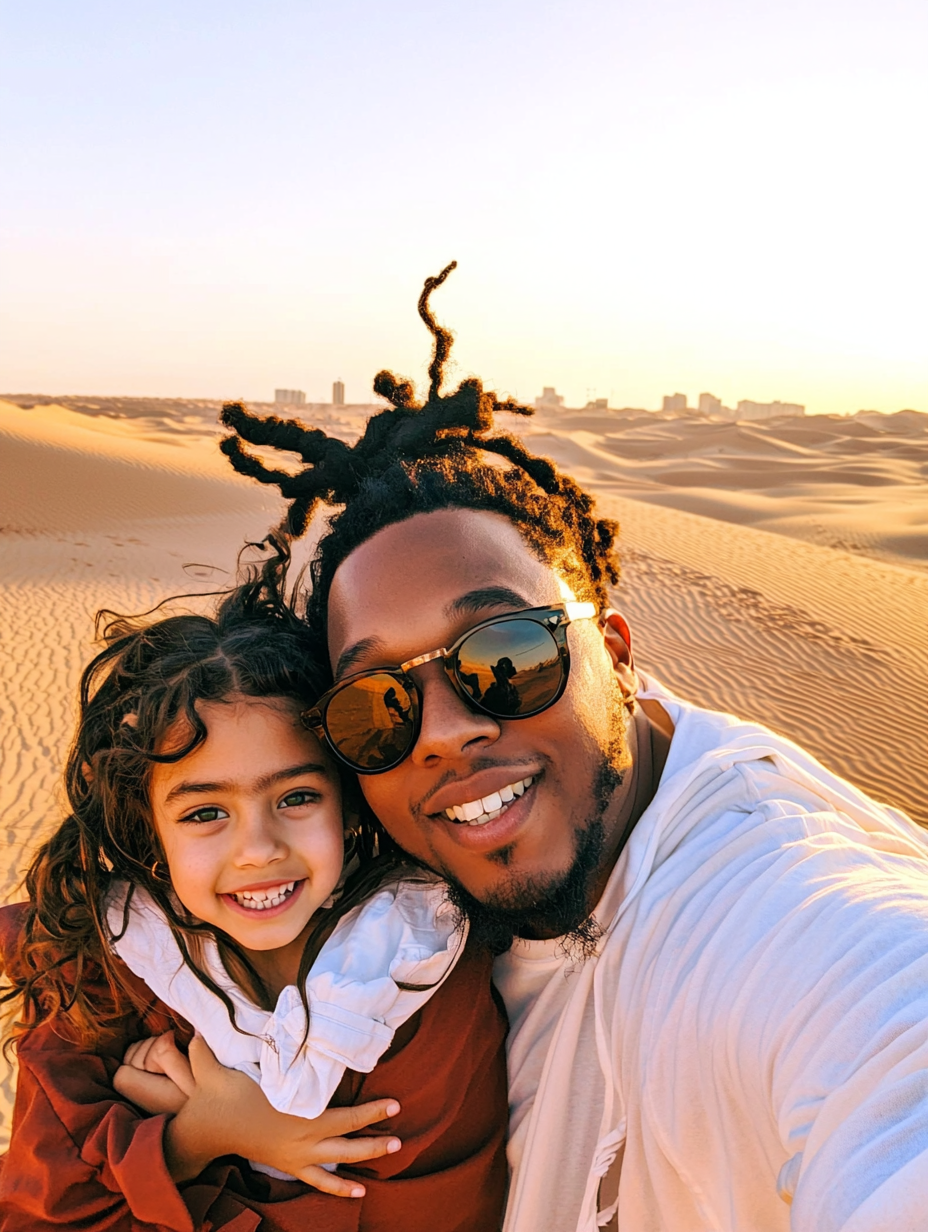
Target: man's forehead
x,y
432,571
444,553
475,603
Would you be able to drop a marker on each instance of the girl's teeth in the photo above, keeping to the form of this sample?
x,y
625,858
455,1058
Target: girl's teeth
x,y
261,900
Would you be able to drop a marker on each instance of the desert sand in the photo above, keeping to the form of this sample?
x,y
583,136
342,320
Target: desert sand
x,y
779,571
856,483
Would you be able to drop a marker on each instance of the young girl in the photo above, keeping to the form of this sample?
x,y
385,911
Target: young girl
x,y
204,880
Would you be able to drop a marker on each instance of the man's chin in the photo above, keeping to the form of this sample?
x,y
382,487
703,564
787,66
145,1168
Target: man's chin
x,y
533,904
550,903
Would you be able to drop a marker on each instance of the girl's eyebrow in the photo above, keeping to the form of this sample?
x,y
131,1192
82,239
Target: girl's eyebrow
x,y
261,783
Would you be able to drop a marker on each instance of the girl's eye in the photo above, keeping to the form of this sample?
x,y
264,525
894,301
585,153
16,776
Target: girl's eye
x,y
209,813
297,799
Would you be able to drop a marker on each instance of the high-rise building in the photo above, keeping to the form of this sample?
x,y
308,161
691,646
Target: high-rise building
x,y
675,403
709,404
290,397
550,400
338,393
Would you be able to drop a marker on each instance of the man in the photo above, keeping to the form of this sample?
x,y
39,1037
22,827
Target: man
x,y
711,949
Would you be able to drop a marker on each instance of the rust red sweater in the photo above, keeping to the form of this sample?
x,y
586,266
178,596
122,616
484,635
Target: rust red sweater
x,y
83,1157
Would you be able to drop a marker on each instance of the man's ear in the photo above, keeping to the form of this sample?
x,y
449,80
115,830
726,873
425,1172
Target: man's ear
x,y
617,638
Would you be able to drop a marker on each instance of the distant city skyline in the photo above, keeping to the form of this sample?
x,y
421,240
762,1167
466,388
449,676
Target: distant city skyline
x,y
677,404
714,197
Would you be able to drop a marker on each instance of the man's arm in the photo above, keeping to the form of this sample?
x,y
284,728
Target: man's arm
x,y
832,1019
775,993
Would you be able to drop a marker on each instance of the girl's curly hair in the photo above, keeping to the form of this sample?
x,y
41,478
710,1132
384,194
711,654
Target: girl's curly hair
x,y
142,687
416,458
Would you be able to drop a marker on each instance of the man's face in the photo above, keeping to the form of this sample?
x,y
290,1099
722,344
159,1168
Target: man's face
x,y
418,585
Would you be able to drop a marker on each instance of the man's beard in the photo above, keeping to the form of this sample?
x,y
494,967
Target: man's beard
x,y
558,905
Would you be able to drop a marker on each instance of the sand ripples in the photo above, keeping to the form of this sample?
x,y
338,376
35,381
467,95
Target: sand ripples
x,y
822,645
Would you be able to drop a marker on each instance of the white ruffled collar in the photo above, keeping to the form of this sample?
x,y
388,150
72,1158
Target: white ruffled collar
x,y
384,960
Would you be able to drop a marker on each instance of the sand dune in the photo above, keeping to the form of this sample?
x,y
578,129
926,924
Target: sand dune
x,y
828,648
858,483
64,471
121,502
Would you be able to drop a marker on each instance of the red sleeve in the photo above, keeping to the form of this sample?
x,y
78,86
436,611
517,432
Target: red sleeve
x,y
82,1157
79,1154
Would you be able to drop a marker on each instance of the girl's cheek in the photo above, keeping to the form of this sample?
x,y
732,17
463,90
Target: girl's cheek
x,y
332,849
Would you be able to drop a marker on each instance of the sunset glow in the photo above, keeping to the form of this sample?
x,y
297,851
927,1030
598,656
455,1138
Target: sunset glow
x,y
219,200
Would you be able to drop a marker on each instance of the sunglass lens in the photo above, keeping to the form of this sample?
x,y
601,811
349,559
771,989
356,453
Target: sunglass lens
x,y
511,668
372,721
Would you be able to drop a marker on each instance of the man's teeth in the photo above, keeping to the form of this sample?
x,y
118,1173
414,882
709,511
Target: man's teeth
x,y
479,812
261,900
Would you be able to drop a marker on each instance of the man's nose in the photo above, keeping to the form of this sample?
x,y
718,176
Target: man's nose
x,y
449,727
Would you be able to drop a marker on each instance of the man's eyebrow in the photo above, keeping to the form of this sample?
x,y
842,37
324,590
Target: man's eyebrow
x,y
484,597
188,788
469,604
349,657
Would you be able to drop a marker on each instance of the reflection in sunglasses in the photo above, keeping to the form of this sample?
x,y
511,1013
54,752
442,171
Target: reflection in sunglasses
x,y
370,721
515,666
509,667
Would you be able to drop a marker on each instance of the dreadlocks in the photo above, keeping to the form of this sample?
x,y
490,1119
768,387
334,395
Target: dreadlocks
x,y
420,458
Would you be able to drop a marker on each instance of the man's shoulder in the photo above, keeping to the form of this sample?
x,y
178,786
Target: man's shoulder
x,y
735,799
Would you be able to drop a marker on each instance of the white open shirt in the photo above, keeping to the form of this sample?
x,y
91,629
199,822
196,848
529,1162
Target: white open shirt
x,y
754,1032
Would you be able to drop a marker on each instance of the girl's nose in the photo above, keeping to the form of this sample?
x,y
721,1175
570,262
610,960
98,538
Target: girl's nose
x,y
259,838
449,728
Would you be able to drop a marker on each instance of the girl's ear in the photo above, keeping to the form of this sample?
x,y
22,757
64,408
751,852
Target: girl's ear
x,y
351,816
87,773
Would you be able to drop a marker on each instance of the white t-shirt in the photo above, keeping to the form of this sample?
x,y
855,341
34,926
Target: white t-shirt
x,y
534,979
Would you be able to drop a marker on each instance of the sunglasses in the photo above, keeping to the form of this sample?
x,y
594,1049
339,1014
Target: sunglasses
x,y
509,667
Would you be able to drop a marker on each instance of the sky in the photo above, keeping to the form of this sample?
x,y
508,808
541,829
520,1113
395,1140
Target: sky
x,y
215,198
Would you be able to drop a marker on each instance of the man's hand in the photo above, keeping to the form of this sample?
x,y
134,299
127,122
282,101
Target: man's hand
x,y
220,1111
155,1074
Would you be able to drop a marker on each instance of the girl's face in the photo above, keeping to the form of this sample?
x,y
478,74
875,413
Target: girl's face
x,y
251,822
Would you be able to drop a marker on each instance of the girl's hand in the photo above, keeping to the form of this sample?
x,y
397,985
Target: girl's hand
x,y
155,1074
226,1113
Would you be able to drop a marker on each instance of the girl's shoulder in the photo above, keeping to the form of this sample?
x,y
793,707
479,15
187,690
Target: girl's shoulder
x,y
407,930
144,1013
